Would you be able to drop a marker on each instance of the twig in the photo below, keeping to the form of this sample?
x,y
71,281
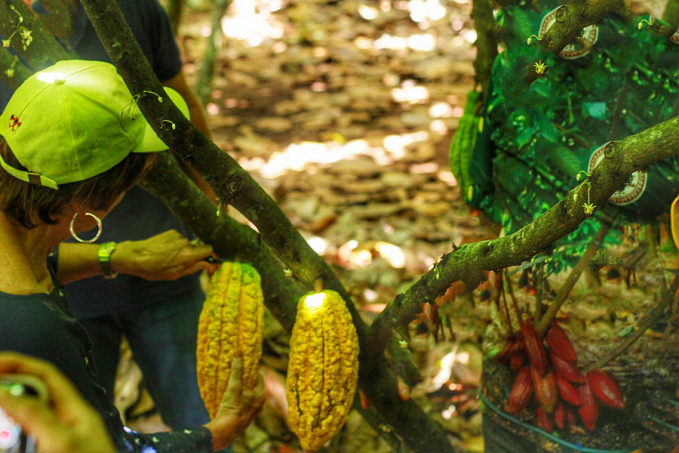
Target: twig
x,y
537,312
656,313
511,294
573,277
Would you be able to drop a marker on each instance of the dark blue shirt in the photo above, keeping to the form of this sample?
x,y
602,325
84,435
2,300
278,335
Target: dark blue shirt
x,y
139,215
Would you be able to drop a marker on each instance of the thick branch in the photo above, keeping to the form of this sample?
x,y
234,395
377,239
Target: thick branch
x,y
229,239
44,50
622,158
235,186
573,17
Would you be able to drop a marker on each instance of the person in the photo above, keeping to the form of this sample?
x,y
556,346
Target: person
x,y
67,423
72,143
158,318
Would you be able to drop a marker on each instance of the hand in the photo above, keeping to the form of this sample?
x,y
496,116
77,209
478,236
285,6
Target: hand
x,y
237,408
166,256
68,423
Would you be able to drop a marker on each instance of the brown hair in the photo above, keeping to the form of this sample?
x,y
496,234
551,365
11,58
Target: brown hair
x,y
25,203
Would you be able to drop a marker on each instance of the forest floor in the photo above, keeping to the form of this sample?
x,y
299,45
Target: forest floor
x,y
344,112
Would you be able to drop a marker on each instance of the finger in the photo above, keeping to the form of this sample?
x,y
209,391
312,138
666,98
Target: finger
x,y
236,376
197,252
62,393
195,267
34,417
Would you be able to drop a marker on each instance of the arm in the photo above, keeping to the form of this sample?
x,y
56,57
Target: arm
x,y
166,256
178,83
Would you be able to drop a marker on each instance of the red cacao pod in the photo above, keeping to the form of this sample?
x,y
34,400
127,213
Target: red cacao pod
x,y
535,350
566,369
571,417
522,391
567,392
517,360
504,355
560,415
606,388
545,388
545,420
589,410
559,344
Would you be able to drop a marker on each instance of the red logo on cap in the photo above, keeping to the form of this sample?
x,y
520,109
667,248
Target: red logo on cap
x,y
14,122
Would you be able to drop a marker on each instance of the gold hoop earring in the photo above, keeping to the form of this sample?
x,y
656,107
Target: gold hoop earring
x,y
86,241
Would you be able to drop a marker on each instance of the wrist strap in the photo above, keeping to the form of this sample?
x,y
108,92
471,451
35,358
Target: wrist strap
x,y
104,256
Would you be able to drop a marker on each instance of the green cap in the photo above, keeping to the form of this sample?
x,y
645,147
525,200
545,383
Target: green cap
x,y
75,120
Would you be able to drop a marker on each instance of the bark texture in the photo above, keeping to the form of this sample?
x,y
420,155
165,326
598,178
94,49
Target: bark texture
x,y
43,50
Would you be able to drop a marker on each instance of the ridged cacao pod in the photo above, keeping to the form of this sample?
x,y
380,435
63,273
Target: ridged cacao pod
x,y
567,392
571,417
566,369
560,415
505,354
517,360
560,345
231,320
545,389
535,350
323,368
606,388
522,391
545,420
589,410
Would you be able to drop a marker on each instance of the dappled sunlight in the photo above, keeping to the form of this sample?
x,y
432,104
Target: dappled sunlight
x,y
252,21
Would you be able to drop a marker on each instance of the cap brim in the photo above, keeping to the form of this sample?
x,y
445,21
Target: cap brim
x,y
151,143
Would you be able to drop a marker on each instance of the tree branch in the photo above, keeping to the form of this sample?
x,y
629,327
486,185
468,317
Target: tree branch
x,y
573,17
43,50
621,159
573,277
236,187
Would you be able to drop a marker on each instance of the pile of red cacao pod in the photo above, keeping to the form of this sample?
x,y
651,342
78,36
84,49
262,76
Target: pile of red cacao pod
x,y
549,375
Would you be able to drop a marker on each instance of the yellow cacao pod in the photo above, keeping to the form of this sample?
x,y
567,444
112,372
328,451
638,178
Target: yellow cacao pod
x,y
323,368
231,321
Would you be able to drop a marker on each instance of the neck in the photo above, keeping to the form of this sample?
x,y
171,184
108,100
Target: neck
x,y
23,260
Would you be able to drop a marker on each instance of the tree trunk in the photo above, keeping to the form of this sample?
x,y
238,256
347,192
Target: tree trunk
x,y
204,85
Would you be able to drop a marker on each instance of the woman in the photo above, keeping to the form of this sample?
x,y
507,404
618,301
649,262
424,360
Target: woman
x,y
72,142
